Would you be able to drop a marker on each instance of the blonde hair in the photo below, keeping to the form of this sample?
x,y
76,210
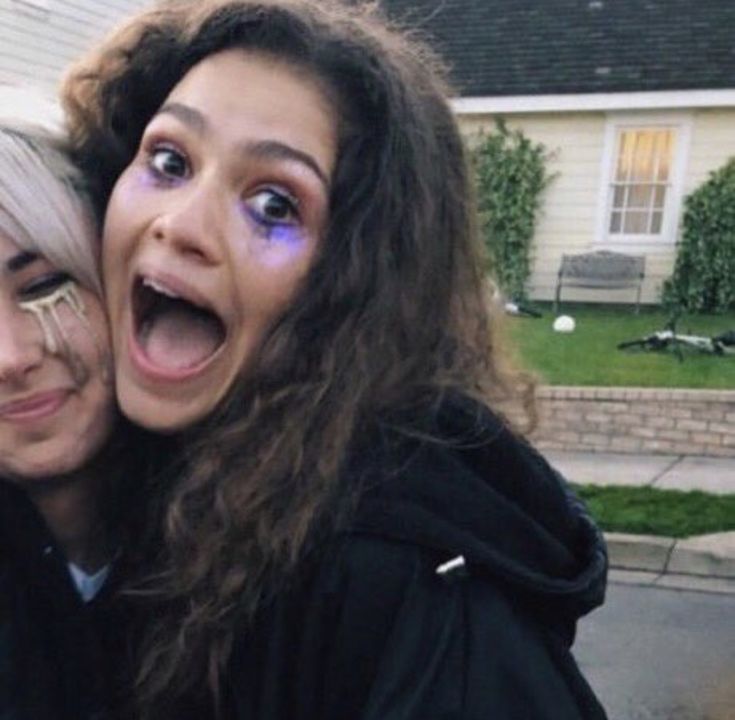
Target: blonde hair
x,y
44,207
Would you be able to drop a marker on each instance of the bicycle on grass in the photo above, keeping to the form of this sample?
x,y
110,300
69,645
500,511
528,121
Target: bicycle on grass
x,y
670,340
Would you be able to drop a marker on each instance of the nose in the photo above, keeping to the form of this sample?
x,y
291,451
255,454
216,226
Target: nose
x,y
21,344
192,222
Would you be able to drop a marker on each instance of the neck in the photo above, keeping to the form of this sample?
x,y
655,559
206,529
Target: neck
x,y
71,507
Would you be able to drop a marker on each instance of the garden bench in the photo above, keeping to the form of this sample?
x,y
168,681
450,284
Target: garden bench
x,y
602,269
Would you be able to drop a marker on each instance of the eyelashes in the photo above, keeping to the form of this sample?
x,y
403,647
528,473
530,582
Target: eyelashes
x,y
167,164
43,285
270,208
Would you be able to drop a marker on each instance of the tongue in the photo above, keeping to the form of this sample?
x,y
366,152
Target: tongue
x,y
179,337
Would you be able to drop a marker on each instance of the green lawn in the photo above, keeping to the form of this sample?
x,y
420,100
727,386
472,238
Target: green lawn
x,y
588,356
648,511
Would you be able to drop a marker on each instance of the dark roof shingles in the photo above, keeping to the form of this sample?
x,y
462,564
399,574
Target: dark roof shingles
x,y
531,47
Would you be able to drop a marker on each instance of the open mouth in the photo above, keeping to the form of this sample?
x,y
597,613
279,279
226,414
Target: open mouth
x,y
173,332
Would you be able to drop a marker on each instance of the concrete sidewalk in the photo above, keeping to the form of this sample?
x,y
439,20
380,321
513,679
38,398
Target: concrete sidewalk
x,y
706,562
665,472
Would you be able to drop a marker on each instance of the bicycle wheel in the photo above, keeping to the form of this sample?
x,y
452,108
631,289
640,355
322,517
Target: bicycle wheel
x,y
640,344
727,340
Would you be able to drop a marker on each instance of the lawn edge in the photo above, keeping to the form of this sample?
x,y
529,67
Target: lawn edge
x,y
705,555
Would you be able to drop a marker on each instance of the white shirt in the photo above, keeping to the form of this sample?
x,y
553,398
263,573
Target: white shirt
x,y
88,585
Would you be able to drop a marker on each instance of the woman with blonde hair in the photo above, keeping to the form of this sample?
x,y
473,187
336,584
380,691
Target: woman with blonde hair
x,y
297,298
62,502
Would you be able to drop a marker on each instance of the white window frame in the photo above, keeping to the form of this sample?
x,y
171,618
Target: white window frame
x,y
681,124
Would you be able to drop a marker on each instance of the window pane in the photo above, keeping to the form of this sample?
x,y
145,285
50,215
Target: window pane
x,y
639,196
625,156
635,223
615,222
643,156
656,222
659,197
664,158
618,196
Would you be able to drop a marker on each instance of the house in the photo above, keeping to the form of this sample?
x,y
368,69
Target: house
x,y
634,98
40,38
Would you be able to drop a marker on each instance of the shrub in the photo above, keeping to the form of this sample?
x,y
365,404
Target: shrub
x,y
704,272
510,172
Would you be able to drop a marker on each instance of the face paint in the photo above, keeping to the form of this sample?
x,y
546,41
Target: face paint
x,y
284,248
55,337
287,234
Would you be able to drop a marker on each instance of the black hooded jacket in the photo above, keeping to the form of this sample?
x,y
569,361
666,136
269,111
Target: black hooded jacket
x,y
59,657
368,629
378,627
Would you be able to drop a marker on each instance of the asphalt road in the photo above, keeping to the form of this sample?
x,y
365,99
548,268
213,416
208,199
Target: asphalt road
x,y
658,654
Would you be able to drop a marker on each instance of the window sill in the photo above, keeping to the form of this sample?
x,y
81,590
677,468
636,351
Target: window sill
x,y
637,245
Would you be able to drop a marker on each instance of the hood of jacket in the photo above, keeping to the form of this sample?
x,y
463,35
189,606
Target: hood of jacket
x,y
459,482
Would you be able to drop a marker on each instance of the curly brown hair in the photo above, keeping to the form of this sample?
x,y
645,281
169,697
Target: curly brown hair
x,y
392,315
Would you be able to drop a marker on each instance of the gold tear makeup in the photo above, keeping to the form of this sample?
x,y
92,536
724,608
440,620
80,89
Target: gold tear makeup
x,y
55,336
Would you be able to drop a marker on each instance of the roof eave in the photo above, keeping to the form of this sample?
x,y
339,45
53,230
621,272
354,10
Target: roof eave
x,y
656,100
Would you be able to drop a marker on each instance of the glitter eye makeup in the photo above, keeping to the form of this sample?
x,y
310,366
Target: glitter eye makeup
x,y
45,308
275,213
275,206
286,234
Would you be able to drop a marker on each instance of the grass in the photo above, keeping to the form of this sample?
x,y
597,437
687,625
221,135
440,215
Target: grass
x,y
648,511
589,356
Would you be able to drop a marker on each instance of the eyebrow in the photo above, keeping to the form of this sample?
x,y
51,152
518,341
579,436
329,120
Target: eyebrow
x,y
188,115
274,150
263,149
17,262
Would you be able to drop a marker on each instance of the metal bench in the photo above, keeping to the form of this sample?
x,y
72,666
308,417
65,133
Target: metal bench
x,y
602,269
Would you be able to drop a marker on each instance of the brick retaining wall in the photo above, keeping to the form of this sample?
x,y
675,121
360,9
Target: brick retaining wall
x,y
686,422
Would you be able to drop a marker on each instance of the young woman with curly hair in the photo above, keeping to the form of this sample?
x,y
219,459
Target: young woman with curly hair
x,y
297,297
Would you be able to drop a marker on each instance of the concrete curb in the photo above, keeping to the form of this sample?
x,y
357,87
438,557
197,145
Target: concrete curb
x,y
710,556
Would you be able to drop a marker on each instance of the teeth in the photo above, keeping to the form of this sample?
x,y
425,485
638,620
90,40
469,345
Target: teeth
x,y
162,289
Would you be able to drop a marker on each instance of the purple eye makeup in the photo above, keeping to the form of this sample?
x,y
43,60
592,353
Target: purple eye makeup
x,y
275,214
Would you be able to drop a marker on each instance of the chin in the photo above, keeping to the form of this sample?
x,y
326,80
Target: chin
x,y
157,414
38,469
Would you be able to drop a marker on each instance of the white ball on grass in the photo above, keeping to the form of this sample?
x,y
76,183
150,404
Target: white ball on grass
x,y
564,324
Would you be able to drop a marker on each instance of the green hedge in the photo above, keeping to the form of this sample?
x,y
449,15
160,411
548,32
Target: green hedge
x,y
704,273
510,172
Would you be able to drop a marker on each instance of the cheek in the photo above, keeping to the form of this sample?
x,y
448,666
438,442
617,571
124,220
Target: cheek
x,y
268,282
83,339
265,292
131,186
282,254
282,251
87,335
126,206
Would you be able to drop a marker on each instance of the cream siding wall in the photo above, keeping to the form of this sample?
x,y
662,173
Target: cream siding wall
x,y
569,217
713,142
40,38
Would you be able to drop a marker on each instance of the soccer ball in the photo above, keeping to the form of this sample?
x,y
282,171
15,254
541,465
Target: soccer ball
x,y
564,324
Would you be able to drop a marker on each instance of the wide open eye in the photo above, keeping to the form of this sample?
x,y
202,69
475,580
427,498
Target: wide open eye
x,y
273,207
168,163
42,285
